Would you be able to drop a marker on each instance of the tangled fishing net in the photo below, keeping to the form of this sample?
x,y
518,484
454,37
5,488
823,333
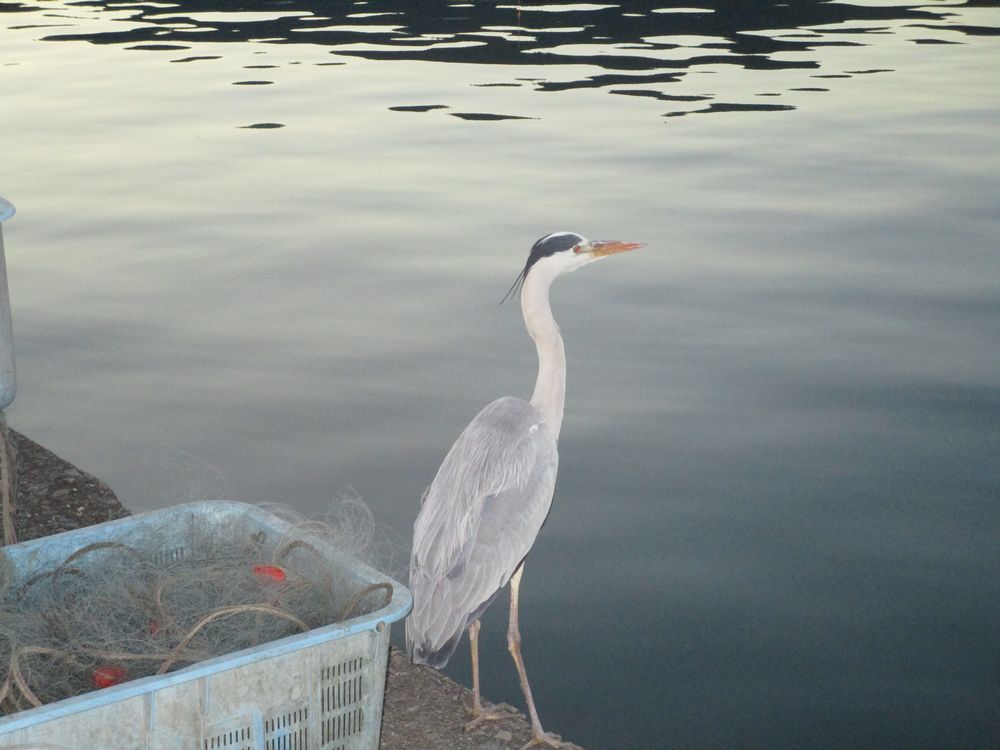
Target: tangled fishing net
x,y
114,611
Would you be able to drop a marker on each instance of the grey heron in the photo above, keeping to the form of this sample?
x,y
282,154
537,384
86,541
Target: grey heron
x,y
491,495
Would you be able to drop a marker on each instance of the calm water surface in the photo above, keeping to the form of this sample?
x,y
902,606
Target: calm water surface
x,y
259,251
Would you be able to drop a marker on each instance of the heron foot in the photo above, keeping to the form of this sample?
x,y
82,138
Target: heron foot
x,y
479,715
551,740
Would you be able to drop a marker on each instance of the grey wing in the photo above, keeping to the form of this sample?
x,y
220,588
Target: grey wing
x,y
478,521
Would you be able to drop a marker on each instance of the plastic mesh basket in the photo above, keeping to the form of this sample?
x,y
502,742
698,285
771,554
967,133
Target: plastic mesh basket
x,y
320,690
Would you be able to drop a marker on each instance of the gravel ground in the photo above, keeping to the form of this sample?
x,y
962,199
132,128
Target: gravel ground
x,y
54,496
424,710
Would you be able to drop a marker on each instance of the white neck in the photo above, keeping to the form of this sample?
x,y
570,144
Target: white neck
x,y
549,397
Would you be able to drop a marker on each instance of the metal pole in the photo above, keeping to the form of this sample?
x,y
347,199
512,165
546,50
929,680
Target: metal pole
x,y
8,387
8,378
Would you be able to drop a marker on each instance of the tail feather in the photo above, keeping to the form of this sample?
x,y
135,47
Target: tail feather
x,y
422,652
432,619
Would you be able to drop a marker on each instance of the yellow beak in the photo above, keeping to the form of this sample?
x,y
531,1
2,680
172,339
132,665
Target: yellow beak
x,y
600,248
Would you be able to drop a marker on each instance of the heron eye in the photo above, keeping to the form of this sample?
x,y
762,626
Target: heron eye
x,y
576,249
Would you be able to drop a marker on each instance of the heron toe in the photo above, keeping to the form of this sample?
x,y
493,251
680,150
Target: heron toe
x,y
482,715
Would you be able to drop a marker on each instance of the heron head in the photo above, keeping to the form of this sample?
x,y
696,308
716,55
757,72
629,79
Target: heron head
x,y
562,252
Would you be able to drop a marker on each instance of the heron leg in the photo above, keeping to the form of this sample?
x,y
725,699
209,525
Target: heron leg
x,y
477,713
538,735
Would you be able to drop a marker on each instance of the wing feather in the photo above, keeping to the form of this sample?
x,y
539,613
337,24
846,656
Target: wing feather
x,y
478,520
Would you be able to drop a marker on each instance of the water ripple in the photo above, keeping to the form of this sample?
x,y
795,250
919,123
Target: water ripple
x,y
648,43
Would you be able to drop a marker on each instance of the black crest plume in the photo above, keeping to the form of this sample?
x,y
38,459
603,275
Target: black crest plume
x,y
547,245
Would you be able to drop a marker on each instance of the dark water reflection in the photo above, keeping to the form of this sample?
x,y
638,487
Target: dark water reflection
x,y
645,42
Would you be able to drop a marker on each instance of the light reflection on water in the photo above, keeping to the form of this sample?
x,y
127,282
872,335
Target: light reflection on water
x,y
777,501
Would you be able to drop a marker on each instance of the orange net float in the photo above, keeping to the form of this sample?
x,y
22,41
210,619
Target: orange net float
x,y
107,675
270,572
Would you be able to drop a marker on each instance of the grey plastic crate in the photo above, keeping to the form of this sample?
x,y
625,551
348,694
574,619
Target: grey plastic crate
x,y
319,690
